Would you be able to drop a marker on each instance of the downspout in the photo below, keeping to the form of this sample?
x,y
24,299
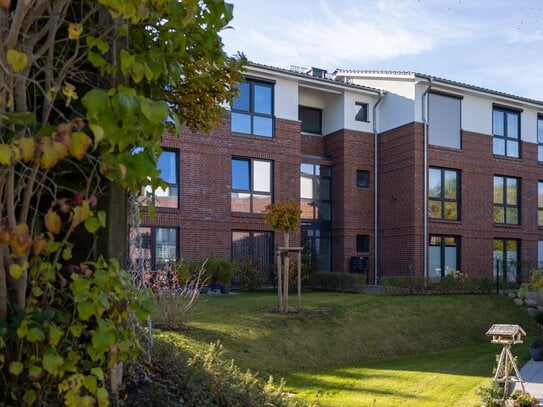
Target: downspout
x,y
375,191
425,158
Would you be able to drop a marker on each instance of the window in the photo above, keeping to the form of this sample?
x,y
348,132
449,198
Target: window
x,y
252,110
362,243
444,120
254,245
506,200
362,113
443,255
169,172
540,138
506,260
362,179
311,119
540,203
506,131
155,246
443,194
251,185
540,254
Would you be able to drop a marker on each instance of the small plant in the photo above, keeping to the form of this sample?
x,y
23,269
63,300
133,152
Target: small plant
x,y
492,395
250,274
521,399
220,271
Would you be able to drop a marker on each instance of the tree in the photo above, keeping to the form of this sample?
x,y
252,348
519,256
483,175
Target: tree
x,y
87,90
284,217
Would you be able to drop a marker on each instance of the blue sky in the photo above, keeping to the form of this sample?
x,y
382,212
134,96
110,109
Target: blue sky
x,y
497,44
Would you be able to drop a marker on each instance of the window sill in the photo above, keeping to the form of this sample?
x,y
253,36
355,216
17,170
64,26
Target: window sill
x,y
507,226
449,221
255,136
247,215
445,148
304,133
506,157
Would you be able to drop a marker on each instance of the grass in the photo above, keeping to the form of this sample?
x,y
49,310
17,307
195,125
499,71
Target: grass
x,y
349,349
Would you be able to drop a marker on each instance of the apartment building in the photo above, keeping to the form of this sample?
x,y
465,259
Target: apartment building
x,y
410,173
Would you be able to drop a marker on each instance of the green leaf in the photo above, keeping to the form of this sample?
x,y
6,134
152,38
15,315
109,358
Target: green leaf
x,y
98,132
154,111
67,254
102,340
86,310
30,397
35,335
96,100
92,224
52,362
76,330
15,271
127,60
96,59
103,397
16,368
137,71
90,383
102,46
34,372
79,145
37,291
53,246
54,335
5,154
102,218
99,373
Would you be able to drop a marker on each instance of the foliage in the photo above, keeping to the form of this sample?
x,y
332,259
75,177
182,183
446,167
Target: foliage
x,y
205,379
283,216
173,297
250,274
521,399
450,284
537,279
347,282
491,395
523,290
311,264
219,270
538,317
74,330
88,90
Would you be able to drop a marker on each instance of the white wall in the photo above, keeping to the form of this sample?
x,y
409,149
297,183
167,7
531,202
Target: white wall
x,y
528,125
311,98
286,99
333,113
351,109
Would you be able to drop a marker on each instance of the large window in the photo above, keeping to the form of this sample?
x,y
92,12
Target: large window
x,y
444,255
507,260
506,131
252,110
315,201
443,194
257,246
311,119
540,138
155,246
540,203
251,185
167,197
444,120
506,200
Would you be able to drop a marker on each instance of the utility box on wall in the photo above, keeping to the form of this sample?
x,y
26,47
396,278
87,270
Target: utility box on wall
x,y
359,264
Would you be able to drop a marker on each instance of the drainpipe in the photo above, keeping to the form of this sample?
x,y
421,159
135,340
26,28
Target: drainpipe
x,y
425,158
375,186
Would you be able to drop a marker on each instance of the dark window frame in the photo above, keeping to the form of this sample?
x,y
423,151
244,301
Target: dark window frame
x,y
442,199
177,184
540,139
251,112
363,113
315,179
359,184
507,110
251,189
442,245
362,243
504,270
504,204
153,240
539,205
314,109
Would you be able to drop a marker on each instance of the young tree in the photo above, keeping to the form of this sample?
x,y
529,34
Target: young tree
x,y
87,90
284,217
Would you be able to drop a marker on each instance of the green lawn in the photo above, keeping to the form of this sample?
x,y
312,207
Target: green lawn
x,y
348,349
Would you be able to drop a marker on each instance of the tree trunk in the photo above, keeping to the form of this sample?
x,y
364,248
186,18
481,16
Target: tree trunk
x,y
279,283
285,276
299,280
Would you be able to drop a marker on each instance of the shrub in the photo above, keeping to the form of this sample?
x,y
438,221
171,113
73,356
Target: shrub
x,y
521,399
454,283
250,274
329,281
219,270
492,395
205,379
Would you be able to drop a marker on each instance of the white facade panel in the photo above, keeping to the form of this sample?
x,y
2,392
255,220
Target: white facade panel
x,y
351,109
333,113
528,125
477,115
286,99
311,98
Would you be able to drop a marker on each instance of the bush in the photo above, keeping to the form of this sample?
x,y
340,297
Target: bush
x,y
491,396
454,283
250,274
521,399
220,270
329,281
205,379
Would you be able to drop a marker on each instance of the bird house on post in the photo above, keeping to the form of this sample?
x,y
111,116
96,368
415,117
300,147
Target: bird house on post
x,y
507,335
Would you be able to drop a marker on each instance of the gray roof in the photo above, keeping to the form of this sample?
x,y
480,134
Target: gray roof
x,y
437,79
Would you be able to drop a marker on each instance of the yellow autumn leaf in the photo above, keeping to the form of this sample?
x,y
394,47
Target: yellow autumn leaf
x,y
69,91
52,153
17,60
98,132
79,145
81,213
27,147
122,169
15,271
51,93
5,154
74,31
20,241
52,221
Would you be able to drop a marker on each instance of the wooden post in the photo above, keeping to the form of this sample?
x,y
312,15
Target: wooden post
x,y
285,275
299,280
279,283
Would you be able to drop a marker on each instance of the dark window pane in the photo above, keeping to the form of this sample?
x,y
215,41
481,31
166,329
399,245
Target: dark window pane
x,y
241,175
311,119
263,126
324,170
240,202
511,216
498,123
540,217
166,246
498,189
168,167
540,130
450,184
241,123
263,99
512,186
362,113
434,183
324,191
512,148
540,194
362,179
260,202
362,243
512,125
499,214
324,211
540,153
451,211
435,209
498,146
242,102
